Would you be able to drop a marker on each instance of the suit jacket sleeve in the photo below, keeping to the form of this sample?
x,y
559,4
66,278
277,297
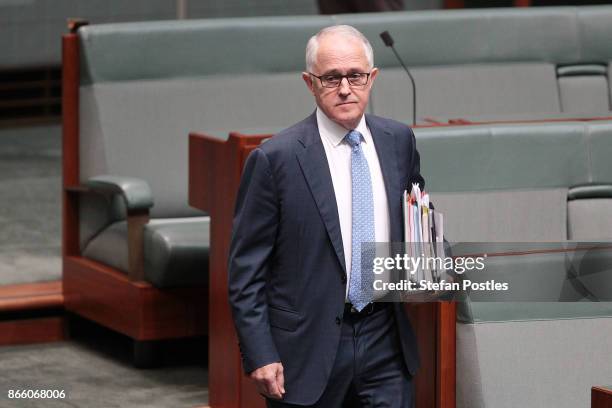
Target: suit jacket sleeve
x,y
252,244
415,160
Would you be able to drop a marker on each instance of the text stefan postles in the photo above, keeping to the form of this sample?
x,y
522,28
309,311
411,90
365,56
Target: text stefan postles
x,y
406,285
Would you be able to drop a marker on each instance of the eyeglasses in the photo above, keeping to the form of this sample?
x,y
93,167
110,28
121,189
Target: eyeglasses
x,y
334,81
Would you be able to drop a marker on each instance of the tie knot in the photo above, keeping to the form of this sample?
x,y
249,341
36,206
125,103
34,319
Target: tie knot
x,y
353,138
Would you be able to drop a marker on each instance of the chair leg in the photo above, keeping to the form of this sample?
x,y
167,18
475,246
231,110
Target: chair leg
x,y
146,354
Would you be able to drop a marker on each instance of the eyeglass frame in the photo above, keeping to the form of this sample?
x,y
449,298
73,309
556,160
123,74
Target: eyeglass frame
x,y
320,78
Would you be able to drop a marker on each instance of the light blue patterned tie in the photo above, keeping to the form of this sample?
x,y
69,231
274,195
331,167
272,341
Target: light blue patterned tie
x,y
360,287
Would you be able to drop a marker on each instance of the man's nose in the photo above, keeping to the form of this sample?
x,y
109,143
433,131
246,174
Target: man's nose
x,y
344,88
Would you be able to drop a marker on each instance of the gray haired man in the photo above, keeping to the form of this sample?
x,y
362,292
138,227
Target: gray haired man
x,y
310,332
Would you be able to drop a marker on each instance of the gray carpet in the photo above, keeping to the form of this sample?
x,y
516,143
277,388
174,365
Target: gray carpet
x,y
30,204
94,369
94,379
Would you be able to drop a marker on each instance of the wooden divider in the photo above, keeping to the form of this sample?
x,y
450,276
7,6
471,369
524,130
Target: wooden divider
x,y
215,167
601,397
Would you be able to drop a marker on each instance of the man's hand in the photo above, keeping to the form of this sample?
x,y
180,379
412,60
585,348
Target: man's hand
x,y
269,380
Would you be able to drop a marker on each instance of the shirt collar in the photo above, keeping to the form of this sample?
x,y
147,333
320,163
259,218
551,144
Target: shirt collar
x,y
335,133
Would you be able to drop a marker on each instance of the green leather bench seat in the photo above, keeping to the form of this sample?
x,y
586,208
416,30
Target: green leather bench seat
x,y
451,53
175,250
464,91
610,76
458,69
519,183
166,111
508,157
590,212
583,88
498,312
546,362
519,353
573,275
501,183
522,183
557,35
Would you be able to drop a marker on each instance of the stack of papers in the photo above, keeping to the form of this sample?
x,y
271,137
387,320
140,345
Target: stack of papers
x,y
423,229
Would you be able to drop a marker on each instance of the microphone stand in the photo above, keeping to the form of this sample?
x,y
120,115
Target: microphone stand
x,y
388,40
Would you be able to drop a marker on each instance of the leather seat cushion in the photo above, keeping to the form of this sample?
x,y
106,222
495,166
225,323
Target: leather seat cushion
x,y
175,250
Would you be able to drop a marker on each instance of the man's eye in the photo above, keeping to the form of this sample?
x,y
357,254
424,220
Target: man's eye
x,y
354,76
331,78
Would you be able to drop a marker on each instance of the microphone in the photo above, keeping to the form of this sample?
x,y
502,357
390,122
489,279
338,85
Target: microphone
x,y
388,40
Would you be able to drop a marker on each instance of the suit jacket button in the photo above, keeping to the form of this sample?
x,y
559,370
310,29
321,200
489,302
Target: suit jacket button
x,y
338,320
343,278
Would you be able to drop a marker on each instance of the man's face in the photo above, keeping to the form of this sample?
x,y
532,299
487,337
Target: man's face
x,y
341,55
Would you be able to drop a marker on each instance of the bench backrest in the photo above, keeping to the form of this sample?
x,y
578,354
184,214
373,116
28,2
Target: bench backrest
x,y
144,86
510,182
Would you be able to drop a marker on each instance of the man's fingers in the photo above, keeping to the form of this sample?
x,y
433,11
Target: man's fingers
x,y
272,387
280,379
267,388
267,380
261,388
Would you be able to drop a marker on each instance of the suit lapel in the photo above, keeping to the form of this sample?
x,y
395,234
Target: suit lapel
x,y
384,142
313,162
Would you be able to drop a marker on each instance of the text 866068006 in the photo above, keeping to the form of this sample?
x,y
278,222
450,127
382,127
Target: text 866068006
x,y
36,394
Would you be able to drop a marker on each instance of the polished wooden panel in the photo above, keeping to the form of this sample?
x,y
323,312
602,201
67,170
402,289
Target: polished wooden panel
x,y
136,309
31,296
29,331
422,317
214,173
215,167
25,289
135,225
70,143
601,397
446,352
434,325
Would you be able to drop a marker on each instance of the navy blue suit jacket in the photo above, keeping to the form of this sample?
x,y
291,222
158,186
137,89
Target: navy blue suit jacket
x,y
287,274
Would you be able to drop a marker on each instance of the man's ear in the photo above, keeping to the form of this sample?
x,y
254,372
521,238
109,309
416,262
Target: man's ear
x,y
373,75
308,79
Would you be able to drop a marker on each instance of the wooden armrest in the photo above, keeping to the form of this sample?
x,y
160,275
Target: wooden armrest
x,y
136,220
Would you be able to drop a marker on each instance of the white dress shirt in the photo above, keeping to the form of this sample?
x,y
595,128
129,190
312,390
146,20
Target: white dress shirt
x,y
338,153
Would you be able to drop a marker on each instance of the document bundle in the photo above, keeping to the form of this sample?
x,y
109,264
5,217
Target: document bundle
x,y
424,242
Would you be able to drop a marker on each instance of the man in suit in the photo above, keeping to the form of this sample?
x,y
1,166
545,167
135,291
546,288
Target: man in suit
x,y
310,331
